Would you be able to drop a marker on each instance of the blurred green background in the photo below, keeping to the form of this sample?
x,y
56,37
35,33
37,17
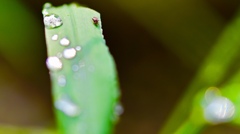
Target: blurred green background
x,y
158,46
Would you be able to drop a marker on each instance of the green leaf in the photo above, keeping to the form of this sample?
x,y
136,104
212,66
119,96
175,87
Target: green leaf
x,y
85,87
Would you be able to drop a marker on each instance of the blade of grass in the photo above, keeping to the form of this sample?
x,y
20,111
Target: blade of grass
x,y
85,87
211,73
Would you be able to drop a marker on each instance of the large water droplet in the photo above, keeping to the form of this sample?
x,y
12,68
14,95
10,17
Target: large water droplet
x,y
64,41
219,110
67,106
55,37
52,21
54,63
69,53
62,80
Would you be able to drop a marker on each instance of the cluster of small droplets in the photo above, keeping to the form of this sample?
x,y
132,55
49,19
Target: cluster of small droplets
x,y
52,21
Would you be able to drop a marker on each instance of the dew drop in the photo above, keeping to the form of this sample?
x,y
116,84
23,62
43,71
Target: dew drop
x,y
55,37
212,93
62,81
52,21
67,106
47,5
45,12
219,110
75,68
119,109
78,48
69,53
64,42
54,63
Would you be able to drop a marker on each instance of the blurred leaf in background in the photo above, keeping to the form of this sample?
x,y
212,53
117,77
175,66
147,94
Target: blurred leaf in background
x,y
24,97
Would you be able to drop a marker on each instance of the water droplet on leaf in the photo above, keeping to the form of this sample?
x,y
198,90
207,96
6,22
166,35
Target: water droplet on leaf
x,y
55,37
62,81
47,5
54,63
64,42
67,106
78,48
45,12
75,68
119,109
52,21
219,110
69,53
